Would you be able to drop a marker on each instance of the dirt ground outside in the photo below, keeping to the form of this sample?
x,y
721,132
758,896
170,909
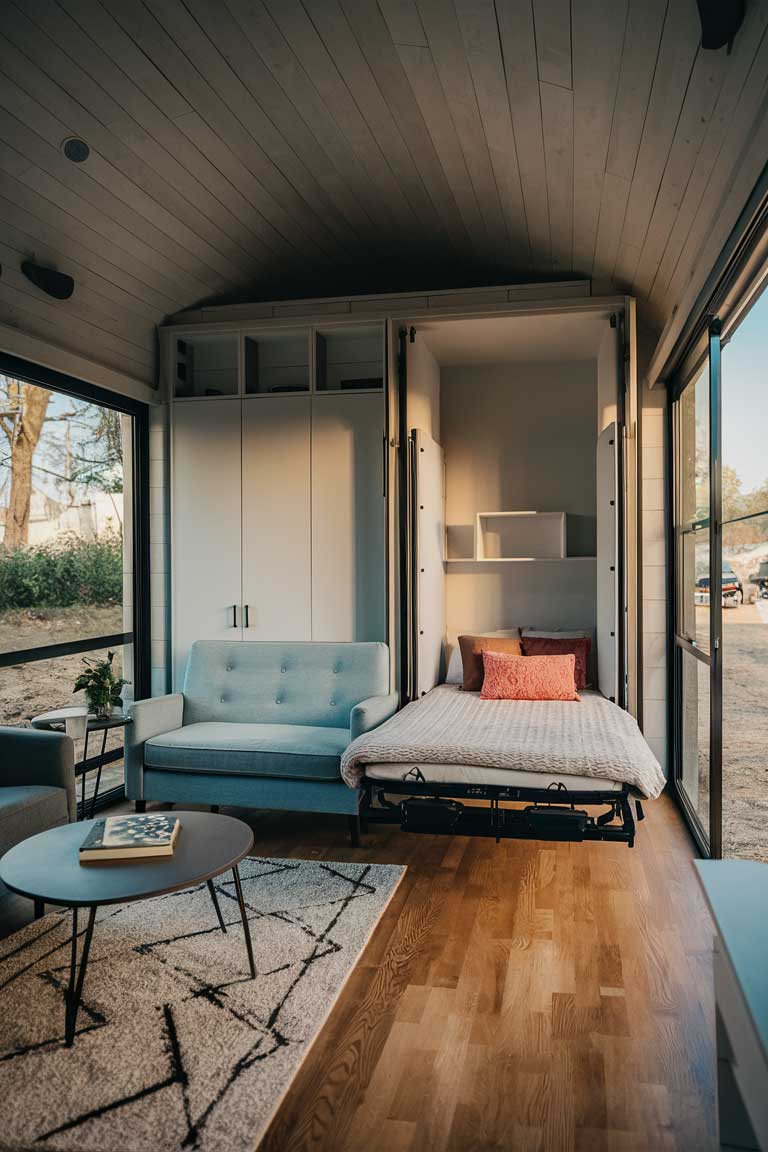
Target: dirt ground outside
x,y
26,690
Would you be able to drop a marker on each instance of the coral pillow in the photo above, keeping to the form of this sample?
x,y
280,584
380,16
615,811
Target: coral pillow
x,y
472,649
529,677
551,646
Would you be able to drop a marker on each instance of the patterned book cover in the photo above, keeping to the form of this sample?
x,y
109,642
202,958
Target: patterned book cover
x,y
121,836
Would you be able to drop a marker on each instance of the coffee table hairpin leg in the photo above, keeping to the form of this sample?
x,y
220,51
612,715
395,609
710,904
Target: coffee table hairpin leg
x,y
244,918
77,978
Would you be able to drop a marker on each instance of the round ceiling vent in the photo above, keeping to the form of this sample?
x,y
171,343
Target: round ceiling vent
x,y
76,150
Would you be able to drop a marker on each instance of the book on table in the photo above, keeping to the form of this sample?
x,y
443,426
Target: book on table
x,y
130,837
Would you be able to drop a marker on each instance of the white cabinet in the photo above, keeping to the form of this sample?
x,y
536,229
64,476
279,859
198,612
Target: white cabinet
x,y
205,527
348,517
276,521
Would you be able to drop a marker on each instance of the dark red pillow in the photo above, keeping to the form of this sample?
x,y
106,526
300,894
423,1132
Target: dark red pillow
x,y
549,646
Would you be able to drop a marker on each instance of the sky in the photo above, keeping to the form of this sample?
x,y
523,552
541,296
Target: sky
x,y
745,398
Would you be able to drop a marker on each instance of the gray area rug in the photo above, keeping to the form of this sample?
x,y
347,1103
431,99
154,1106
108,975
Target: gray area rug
x,y
176,1048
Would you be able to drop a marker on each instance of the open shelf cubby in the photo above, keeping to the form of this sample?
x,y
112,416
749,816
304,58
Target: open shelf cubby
x,y
206,365
519,536
276,362
349,359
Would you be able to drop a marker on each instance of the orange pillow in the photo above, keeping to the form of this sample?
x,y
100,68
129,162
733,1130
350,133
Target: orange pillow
x,y
529,677
553,646
472,648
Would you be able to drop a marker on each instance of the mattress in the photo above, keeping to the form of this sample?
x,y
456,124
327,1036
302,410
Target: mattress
x,y
501,777
591,738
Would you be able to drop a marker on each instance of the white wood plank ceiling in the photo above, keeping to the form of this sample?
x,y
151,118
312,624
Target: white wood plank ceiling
x,y
245,149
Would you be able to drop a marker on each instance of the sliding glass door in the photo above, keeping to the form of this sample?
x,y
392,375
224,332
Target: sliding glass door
x,y
72,548
720,670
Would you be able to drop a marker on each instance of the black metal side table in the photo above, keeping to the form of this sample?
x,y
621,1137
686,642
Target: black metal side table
x,y
79,724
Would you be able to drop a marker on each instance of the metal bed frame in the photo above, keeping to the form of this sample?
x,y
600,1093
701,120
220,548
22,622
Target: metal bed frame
x,y
553,813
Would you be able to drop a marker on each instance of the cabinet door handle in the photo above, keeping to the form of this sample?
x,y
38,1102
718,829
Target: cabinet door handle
x,y
234,615
247,616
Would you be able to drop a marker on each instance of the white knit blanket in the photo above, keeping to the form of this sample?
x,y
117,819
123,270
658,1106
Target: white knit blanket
x,y
592,737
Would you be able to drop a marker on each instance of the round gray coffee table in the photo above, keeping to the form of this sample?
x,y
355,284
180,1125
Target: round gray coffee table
x,y
47,868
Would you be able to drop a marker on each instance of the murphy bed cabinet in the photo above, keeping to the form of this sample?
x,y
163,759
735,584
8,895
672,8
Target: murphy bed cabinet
x,y
278,502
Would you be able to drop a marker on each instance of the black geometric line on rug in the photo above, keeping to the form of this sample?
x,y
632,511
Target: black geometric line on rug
x,y
177,1075
249,1059
99,1021
44,956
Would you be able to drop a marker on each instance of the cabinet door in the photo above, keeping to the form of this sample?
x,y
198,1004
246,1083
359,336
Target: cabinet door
x,y
348,518
277,566
205,527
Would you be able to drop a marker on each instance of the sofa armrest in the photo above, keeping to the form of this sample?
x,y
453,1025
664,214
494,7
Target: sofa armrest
x,y
370,713
149,718
29,756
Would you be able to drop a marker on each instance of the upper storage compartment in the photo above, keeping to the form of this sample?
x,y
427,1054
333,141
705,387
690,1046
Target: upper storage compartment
x,y
349,359
276,362
206,365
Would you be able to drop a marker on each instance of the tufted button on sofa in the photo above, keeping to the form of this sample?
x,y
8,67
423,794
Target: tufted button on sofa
x,y
259,725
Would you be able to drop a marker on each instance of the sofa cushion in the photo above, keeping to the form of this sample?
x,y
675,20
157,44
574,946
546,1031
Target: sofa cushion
x,y
27,809
266,682
296,751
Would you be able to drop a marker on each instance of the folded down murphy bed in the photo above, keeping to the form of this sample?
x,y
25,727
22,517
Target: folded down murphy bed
x,y
558,759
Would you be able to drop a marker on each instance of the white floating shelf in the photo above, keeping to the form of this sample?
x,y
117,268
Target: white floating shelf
x,y
519,559
520,536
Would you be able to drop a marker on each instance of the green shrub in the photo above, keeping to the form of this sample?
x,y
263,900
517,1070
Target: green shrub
x,y
65,571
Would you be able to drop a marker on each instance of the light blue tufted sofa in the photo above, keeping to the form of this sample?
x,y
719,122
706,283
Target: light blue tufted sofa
x,y
259,725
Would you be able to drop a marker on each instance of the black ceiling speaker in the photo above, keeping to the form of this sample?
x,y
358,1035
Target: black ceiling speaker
x,y
720,21
48,280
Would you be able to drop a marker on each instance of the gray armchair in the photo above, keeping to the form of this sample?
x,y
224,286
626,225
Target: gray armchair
x,y
37,783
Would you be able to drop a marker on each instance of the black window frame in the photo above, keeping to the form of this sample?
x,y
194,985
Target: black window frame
x,y
139,635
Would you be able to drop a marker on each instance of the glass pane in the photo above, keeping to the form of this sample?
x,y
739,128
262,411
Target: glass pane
x,y
65,518
695,734
693,611
277,362
693,450
745,689
745,415
27,690
350,359
206,365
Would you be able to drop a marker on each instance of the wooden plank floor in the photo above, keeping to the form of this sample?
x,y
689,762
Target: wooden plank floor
x,y
522,996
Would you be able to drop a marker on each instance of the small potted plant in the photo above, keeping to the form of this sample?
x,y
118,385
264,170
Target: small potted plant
x,y
101,686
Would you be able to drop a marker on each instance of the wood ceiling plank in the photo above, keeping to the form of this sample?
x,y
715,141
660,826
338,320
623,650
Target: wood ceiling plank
x,y
58,333
334,29
739,164
49,220
267,40
677,52
88,201
65,316
642,37
552,22
230,181
373,36
39,181
701,96
22,122
449,54
404,23
477,20
148,126
557,124
518,45
32,239
116,167
295,25
598,34
224,103
422,76
340,207
85,303
735,111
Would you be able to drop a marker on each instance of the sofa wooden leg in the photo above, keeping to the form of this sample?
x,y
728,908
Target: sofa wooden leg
x,y
39,909
141,806
214,808
354,830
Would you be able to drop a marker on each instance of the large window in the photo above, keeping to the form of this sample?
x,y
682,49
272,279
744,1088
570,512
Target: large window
x,y
72,543
721,570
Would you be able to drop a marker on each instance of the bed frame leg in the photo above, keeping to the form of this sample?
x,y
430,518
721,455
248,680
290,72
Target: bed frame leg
x,y
354,830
